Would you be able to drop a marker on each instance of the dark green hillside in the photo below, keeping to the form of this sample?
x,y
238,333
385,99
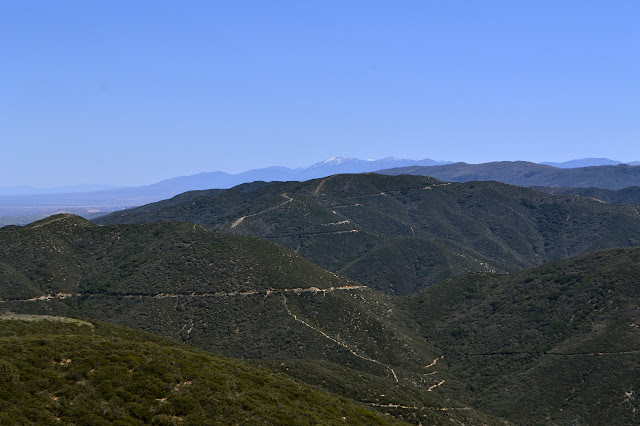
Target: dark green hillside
x,y
234,295
630,195
557,344
523,173
61,371
402,233
67,254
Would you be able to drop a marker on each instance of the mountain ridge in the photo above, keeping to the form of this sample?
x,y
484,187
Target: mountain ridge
x,y
400,233
583,162
629,195
524,173
124,197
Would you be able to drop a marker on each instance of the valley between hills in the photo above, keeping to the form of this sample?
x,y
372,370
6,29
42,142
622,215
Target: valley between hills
x,y
405,298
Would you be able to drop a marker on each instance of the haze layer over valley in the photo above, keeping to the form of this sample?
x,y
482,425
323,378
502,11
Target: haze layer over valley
x,y
20,206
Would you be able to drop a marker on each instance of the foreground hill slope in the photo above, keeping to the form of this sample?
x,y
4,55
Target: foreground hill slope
x,y
557,344
401,233
57,370
234,295
554,344
523,173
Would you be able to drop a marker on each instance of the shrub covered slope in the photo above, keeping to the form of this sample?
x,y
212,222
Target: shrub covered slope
x,y
234,295
62,371
558,344
401,233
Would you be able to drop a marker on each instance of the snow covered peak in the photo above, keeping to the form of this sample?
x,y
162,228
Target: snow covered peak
x,y
335,160
335,165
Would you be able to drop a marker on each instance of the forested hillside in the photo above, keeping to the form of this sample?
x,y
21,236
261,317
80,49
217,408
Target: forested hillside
x,y
233,295
559,343
399,234
58,370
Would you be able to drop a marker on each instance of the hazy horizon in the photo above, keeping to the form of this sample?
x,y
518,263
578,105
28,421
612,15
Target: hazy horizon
x,y
124,93
84,186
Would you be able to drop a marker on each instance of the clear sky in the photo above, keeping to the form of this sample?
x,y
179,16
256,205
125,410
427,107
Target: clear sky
x,y
132,92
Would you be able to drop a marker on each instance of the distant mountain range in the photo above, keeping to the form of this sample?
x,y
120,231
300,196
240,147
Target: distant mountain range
x,y
331,166
209,180
585,162
523,173
23,201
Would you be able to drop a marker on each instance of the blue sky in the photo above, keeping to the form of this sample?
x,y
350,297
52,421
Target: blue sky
x,y
132,92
